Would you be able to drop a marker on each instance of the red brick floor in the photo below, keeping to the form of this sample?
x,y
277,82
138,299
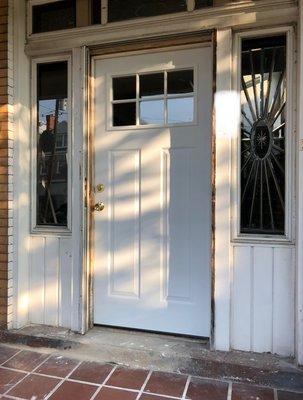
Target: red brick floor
x,y
34,376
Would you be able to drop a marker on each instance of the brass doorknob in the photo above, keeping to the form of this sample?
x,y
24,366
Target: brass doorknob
x,y
99,206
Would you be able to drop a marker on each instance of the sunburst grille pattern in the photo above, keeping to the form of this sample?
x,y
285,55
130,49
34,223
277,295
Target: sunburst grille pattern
x,y
263,109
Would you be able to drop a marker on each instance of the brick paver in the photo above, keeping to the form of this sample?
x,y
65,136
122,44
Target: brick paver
x,y
32,375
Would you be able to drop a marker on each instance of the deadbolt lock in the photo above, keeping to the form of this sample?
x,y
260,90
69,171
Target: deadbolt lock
x,y
100,187
99,206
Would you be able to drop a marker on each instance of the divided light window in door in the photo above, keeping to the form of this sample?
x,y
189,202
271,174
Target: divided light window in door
x,y
158,98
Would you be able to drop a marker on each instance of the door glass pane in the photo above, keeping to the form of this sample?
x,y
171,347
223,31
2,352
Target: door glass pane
x,y
124,88
119,10
180,110
54,16
263,108
180,81
151,85
124,114
52,144
152,112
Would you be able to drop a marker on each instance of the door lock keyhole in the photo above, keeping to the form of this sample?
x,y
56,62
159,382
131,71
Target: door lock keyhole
x,y
99,206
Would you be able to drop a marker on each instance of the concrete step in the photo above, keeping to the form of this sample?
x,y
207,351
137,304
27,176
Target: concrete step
x,y
164,353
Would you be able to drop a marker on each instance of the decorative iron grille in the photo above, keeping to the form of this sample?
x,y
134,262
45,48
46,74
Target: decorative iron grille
x,y
263,108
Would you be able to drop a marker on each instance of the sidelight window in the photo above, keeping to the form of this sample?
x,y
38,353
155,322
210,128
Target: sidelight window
x,y
156,99
52,144
263,127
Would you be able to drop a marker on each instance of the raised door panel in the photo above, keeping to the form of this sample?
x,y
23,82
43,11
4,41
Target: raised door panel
x,y
124,216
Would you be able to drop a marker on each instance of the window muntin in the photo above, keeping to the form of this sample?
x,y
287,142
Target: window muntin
x,y
154,99
52,144
263,127
54,16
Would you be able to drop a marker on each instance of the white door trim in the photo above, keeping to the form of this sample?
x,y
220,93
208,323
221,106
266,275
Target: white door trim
x,y
299,253
222,264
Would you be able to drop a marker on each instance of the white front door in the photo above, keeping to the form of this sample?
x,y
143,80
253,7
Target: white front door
x,y
152,153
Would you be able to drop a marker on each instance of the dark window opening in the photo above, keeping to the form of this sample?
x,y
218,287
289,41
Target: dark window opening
x,y
52,144
124,114
54,16
124,88
95,12
263,126
204,3
119,10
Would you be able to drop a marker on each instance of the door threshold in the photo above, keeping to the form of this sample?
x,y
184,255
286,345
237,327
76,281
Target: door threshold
x,y
201,339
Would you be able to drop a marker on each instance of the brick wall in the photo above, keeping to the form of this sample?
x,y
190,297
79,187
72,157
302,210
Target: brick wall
x,y
6,145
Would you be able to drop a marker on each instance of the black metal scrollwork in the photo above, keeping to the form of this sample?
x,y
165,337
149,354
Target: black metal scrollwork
x,y
263,109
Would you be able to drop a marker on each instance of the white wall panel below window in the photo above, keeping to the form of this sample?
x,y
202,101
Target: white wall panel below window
x,y
263,298
50,297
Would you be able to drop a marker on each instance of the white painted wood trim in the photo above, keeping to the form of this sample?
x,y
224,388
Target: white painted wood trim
x,y
289,236
21,199
79,106
299,253
191,5
40,229
104,11
223,98
85,303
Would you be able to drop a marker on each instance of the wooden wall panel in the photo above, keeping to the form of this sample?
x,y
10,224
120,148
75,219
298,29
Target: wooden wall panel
x,y
241,298
65,279
51,274
283,297
263,306
51,281
37,283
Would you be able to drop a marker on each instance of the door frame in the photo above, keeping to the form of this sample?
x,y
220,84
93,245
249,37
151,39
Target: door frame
x,y
159,44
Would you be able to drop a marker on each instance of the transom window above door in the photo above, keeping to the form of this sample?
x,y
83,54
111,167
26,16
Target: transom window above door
x,y
156,99
53,15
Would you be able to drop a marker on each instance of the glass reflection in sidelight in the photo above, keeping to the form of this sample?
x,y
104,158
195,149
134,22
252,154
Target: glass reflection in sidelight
x,y
52,144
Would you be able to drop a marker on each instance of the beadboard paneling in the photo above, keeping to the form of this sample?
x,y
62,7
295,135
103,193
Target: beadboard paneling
x,y
263,298
51,281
